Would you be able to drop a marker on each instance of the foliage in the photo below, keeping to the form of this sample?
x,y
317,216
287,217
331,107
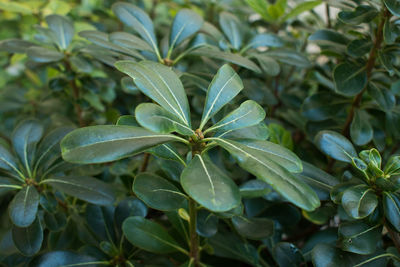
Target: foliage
x,y
200,133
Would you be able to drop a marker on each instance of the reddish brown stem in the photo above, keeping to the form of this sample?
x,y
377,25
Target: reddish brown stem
x,y
369,67
145,163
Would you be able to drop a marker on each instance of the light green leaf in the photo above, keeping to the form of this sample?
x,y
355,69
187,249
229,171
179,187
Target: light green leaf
x,y
157,192
335,145
63,29
104,143
300,8
225,85
249,113
161,84
209,186
24,206
149,236
86,188
157,119
261,165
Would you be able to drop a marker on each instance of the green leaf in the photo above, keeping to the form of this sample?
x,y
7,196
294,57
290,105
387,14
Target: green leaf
x,y
269,65
157,192
322,106
361,14
24,206
209,186
289,57
62,258
231,26
137,20
391,205
393,6
211,52
225,85
104,143
253,228
254,188
63,29
350,79
129,41
157,119
324,255
261,7
161,84
16,7
249,113
167,151
359,237
15,45
360,129
28,240
130,206
43,55
328,37
359,47
335,145
149,236
7,160
257,132
86,188
186,23
279,154
300,8
392,167
206,223
265,39
287,255
359,201
263,167
127,120
384,97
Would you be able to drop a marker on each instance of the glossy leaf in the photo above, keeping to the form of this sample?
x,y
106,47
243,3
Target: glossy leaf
x,y
253,228
225,85
209,186
157,119
393,6
149,236
157,192
24,206
28,240
359,201
287,254
161,84
261,165
359,237
335,145
86,188
185,24
254,188
43,55
360,129
361,14
391,205
96,144
129,207
206,223
249,113
349,78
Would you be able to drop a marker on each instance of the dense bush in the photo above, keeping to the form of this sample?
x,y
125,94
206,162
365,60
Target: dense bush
x,y
200,133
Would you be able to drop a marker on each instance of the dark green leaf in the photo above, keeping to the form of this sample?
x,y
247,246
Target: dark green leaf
x,y
362,14
253,228
206,223
265,39
96,144
393,6
24,206
254,188
289,57
185,24
63,258
209,186
261,165
157,192
287,255
15,45
360,129
335,145
349,78
43,55
149,236
28,240
391,205
86,188
359,237
359,201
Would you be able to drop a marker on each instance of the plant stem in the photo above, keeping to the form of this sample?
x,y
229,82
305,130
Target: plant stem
x,y
76,94
328,16
395,237
145,163
194,238
369,67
